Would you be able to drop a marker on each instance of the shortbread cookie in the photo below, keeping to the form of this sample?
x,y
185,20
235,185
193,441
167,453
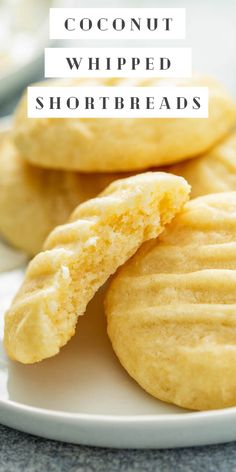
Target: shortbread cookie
x,y
213,172
33,201
171,309
108,145
80,256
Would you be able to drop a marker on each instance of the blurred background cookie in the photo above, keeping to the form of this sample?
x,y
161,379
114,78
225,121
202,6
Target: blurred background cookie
x,y
107,145
33,201
212,172
171,309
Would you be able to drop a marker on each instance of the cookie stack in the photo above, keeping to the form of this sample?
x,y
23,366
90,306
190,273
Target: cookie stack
x,y
171,307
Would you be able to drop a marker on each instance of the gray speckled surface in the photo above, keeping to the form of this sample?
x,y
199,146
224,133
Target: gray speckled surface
x,y
26,453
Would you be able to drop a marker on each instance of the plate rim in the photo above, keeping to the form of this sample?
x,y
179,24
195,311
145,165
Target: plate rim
x,y
186,416
123,431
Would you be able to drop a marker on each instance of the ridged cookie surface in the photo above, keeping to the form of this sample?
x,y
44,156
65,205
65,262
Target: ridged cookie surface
x,y
123,144
33,201
80,256
171,309
214,171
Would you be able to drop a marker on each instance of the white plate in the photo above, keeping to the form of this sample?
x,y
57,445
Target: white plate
x,y
83,395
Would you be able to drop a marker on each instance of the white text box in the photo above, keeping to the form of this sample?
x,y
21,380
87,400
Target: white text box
x,y
117,23
118,62
106,102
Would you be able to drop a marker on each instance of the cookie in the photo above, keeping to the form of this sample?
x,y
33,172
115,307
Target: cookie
x,y
171,309
130,144
80,256
213,172
33,201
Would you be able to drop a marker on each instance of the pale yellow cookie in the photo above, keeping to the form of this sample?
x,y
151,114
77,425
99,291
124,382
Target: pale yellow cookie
x,y
171,309
109,145
80,256
33,201
214,171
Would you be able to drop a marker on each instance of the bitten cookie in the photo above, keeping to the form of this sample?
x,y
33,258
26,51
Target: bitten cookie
x,y
33,201
109,145
80,256
213,172
171,310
